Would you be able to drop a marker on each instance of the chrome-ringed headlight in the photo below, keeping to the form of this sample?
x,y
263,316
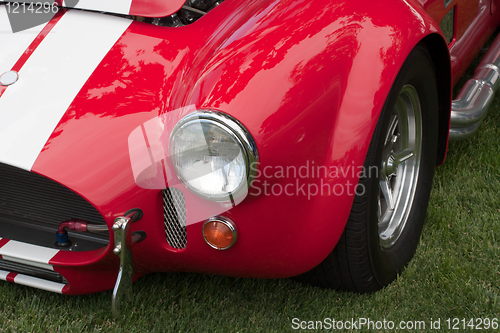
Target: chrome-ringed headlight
x,y
213,155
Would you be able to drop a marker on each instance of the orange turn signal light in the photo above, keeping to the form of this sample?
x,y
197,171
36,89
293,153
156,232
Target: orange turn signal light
x,y
219,232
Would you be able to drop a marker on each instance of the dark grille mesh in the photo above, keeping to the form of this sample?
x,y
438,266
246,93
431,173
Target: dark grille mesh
x,y
41,273
174,214
34,199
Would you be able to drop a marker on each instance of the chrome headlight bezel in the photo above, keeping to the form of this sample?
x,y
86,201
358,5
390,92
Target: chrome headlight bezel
x,y
238,133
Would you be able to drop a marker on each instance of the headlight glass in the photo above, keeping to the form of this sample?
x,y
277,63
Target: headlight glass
x,y
211,154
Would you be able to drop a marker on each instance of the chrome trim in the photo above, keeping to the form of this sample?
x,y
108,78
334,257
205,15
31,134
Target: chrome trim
x,y
123,248
476,96
97,228
226,221
9,78
174,217
235,129
194,10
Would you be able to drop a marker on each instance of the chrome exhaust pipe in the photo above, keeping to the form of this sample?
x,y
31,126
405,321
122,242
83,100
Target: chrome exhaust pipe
x,y
476,96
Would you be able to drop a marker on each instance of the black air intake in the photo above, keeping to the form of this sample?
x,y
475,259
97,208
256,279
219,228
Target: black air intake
x,y
41,273
28,198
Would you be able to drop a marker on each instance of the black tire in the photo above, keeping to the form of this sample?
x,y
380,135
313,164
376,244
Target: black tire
x,y
371,251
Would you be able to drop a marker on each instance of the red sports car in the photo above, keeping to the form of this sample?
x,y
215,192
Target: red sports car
x,y
257,138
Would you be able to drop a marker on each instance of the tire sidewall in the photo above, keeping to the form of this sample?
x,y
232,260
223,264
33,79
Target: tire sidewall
x,y
386,263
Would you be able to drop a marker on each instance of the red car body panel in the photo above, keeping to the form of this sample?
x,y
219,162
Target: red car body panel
x,y
307,79
155,8
475,22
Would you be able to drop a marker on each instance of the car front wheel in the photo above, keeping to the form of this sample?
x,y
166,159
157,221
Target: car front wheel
x,y
386,219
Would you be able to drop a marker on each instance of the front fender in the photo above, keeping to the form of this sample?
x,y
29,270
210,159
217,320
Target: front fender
x,y
309,79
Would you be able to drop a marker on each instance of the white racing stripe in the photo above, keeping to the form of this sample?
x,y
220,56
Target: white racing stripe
x,y
49,81
13,45
113,6
3,275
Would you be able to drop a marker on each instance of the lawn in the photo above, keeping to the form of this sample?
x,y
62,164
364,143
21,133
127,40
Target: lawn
x,y
454,274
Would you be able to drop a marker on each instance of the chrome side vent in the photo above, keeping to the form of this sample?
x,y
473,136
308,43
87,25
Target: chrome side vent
x,y
174,215
476,96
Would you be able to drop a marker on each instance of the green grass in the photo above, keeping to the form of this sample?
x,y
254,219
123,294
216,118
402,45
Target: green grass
x,y
454,274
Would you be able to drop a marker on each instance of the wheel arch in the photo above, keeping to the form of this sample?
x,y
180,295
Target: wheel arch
x,y
440,55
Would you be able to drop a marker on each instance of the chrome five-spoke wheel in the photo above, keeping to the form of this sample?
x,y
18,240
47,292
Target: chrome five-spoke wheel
x,y
400,165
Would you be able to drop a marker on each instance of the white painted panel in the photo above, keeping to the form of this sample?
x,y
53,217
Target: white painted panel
x,y
13,45
29,252
31,108
3,275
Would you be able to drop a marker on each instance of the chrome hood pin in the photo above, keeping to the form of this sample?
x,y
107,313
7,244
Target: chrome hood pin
x,y
8,78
